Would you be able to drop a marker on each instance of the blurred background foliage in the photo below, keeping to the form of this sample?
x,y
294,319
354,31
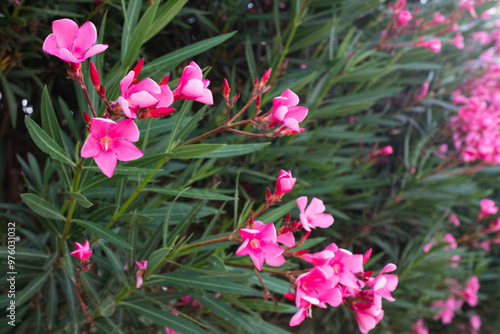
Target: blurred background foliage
x,y
324,51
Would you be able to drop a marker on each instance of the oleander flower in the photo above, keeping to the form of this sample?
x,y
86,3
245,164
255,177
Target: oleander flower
x,y
82,252
313,216
109,142
192,86
72,44
287,112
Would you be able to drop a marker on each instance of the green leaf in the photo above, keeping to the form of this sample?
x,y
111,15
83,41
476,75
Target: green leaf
x,y
49,119
45,143
11,100
42,207
116,264
104,233
192,193
108,306
165,318
276,214
164,63
164,15
195,150
139,36
133,11
156,258
235,150
33,287
125,170
51,307
216,284
82,200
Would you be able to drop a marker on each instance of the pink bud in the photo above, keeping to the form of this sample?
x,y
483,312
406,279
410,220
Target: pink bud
x,y
86,116
102,91
94,75
165,80
138,68
386,150
367,255
265,77
257,102
268,194
290,296
404,17
225,89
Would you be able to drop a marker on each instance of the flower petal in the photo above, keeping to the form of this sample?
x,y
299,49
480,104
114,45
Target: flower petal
x,y
66,32
98,48
91,148
126,129
106,161
206,98
86,38
126,151
193,89
99,127
143,99
67,56
293,99
50,45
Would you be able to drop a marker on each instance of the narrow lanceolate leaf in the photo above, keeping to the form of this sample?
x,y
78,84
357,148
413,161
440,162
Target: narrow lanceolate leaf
x,y
155,259
165,318
195,150
139,36
125,170
169,61
164,15
49,119
216,284
104,233
45,143
33,287
235,150
41,207
51,307
192,193
82,200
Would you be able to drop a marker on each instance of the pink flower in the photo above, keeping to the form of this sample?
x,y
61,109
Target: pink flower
x,y
428,246
347,267
109,142
438,18
367,316
261,243
419,328
475,323
314,215
454,220
141,266
470,291
404,17
424,91
448,309
286,112
383,285
481,36
72,44
284,183
434,45
316,284
488,207
192,86
322,259
458,41
82,252
137,96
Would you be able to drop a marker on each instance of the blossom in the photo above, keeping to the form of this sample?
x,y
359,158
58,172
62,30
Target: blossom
x,y
424,91
347,267
438,18
367,316
72,44
434,45
419,328
458,41
82,252
454,220
137,96
404,17
192,86
383,285
286,111
475,323
141,266
488,207
109,142
284,183
260,243
470,291
313,216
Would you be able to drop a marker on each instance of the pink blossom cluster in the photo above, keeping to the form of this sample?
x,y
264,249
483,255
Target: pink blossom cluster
x,y
337,276
111,140
459,295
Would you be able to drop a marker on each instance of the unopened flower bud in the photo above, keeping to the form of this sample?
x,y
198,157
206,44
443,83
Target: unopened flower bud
x,y
86,116
367,255
102,91
257,102
265,77
225,90
138,68
290,296
165,80
268,194
94,75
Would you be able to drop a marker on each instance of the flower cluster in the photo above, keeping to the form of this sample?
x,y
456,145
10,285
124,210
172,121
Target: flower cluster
x,y
337,276
111,140
459,295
